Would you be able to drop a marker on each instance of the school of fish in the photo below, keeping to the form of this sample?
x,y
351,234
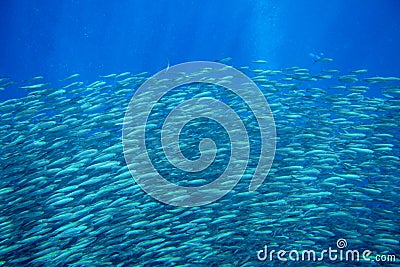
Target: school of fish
x,y
68,198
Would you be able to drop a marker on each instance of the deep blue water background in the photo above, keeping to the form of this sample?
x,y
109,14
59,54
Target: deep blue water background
x,y
99,37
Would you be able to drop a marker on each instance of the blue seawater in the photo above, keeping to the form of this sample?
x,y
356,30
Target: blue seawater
x,y
329,70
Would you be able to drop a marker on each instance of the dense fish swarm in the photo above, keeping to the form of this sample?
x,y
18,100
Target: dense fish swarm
x,y
67,196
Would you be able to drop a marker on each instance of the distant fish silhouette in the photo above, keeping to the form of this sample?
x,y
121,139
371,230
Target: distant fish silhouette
x,y
225,59
320,58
